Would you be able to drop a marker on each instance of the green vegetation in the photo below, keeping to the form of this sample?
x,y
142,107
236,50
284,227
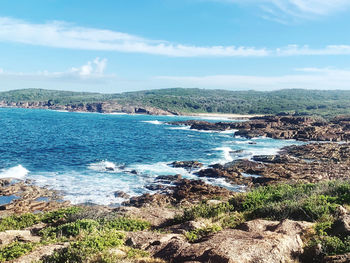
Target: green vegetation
x,y
87,247
15,250
90,239
15,222
197,234
307,202
315,102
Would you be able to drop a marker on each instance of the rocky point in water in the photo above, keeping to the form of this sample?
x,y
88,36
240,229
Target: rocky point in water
x,y
281,127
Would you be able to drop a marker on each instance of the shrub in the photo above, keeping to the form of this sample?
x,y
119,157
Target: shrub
x,y
61,214
90,245
18,222
70,229
199,233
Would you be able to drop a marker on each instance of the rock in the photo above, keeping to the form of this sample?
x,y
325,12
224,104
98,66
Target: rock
x,y
188,165
121,194
341,226
301,128
183,192
261,241
10,236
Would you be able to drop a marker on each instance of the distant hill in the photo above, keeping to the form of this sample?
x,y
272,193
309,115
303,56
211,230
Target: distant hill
x,y
317,102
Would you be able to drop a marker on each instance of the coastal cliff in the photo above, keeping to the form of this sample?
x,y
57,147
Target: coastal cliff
x,y
100,107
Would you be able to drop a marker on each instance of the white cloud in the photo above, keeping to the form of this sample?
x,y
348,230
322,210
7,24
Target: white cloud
x,y
287,10
64,35
91,68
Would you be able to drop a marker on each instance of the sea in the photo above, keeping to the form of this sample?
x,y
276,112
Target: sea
x,y
90,156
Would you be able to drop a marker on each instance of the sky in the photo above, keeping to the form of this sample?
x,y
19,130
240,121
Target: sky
x,y
113,46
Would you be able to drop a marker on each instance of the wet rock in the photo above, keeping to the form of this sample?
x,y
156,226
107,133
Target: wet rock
x,y
121,194
182,192
188,165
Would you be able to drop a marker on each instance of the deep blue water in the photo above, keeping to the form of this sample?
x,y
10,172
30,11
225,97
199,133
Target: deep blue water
x,y
70,151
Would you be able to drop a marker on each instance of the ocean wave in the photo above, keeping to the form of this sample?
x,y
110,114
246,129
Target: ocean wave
x,y
104,166
81,188
156,122
160,168
16,172
226,152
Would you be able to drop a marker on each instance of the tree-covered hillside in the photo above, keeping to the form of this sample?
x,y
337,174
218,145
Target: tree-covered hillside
x,y
320,102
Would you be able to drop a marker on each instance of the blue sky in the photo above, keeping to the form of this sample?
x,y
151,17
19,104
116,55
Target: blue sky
x,y
124,45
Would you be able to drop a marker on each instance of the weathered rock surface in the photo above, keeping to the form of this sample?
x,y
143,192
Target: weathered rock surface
x,y
31,198
257,241
182,192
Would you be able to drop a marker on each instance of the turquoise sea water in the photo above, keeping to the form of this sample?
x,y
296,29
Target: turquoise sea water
x,y
89,156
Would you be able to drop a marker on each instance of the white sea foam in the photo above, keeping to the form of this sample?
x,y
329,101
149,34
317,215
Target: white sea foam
x,y
104,166
91,187
226,152
156,122
160,168
186,128
17,172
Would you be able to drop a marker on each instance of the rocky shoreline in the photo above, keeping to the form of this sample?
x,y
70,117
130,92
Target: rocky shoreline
x,y
99,107
281,127
192,221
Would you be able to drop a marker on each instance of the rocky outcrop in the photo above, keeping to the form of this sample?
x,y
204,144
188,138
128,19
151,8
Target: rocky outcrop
x,y
304,163
181,192
282,127
29,198
255,241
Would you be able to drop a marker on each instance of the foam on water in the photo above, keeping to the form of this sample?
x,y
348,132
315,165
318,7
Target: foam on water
x,y
226,152
92,188
160,168
156,122
104,166
16,172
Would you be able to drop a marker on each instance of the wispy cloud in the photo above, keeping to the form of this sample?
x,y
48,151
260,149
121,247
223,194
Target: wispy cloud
x,y
91,70
287,10
65,35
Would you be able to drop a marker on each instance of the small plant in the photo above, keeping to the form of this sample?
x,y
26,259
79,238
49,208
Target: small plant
x,y
197,234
